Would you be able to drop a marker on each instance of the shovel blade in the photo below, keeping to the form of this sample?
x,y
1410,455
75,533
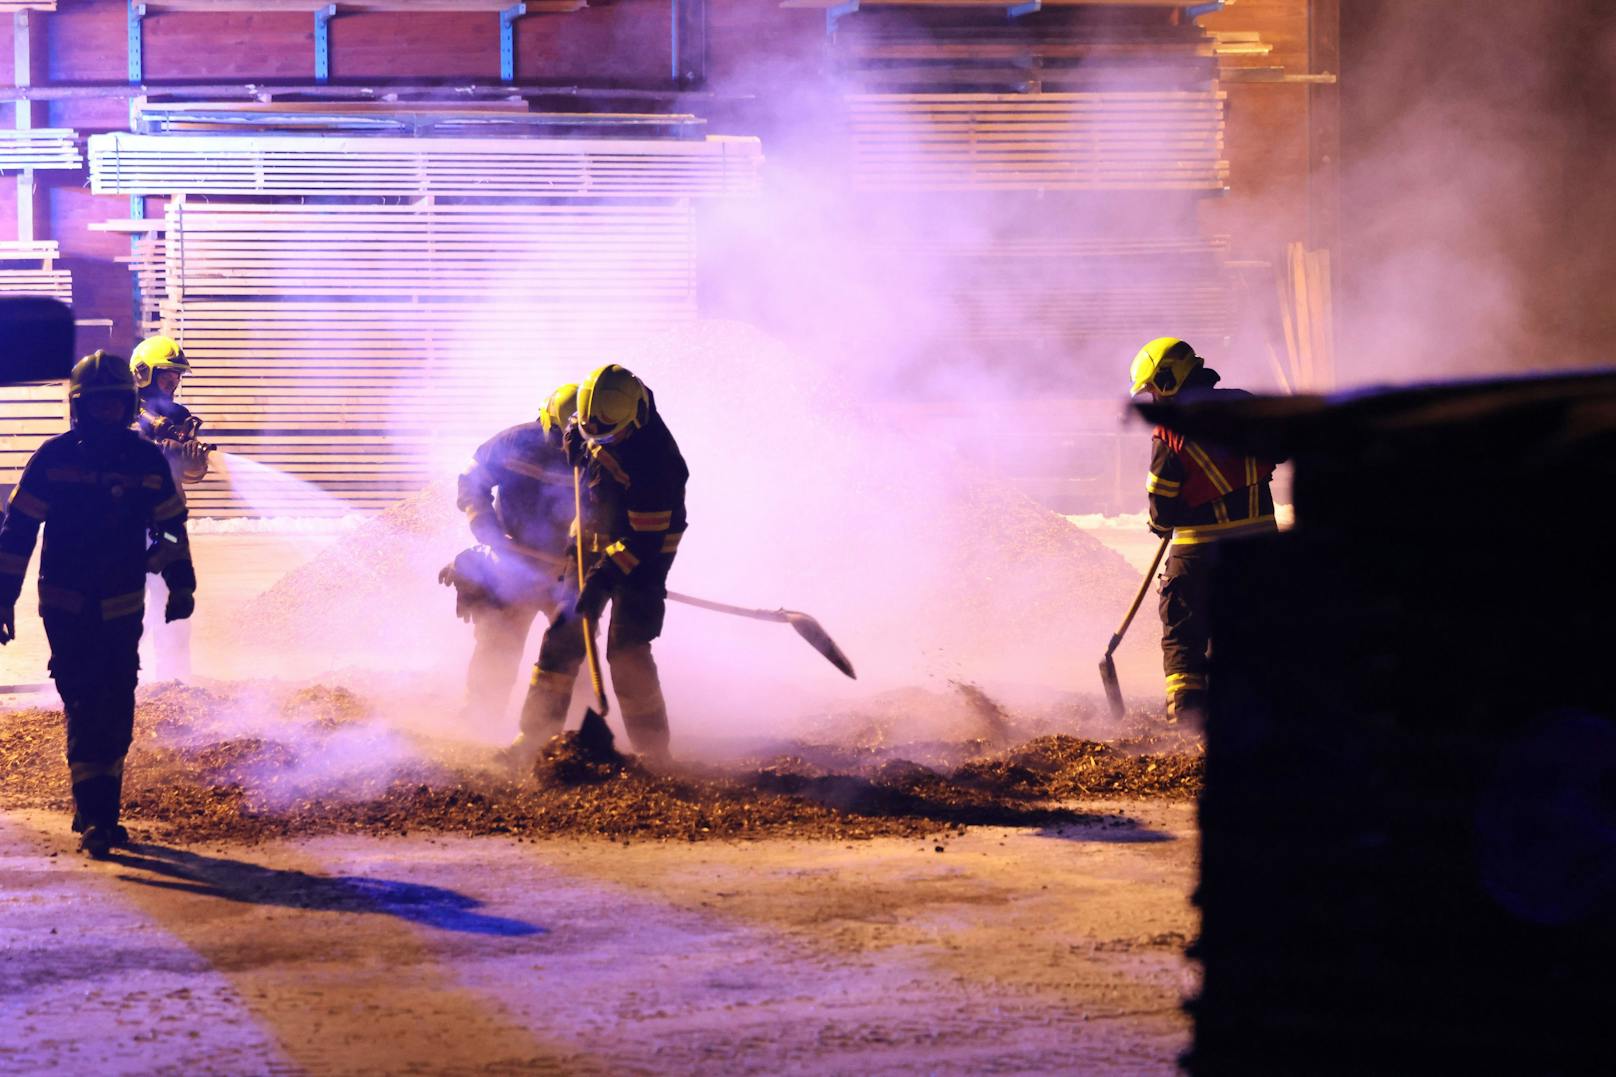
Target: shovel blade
x,y
1113,690
594,735
810,630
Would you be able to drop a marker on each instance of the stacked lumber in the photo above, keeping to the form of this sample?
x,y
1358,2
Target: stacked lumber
x,y
1307,320
352,346
39,147
378,166
9,7
1166,141
43,279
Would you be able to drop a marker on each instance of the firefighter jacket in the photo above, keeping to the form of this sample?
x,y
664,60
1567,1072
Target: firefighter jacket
x,y
522,480
100,500
637,505
167,422
1204,492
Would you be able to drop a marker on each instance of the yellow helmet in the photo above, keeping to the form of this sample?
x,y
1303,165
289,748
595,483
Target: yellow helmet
x,y
154,354
558,408
1163,365
612,404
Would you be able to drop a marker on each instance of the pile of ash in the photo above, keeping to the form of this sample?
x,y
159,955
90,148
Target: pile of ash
x,y
316,761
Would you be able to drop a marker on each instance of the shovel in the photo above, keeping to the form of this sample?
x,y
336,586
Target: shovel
x,y
593,733
1108,668
807,627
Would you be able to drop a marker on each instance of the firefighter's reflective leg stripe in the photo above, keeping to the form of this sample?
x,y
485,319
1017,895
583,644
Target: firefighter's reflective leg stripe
x,y
84,771
670,542
1195,535
123,605
544,711
169,509
52,597
1204,462
1155,484
622,557
29,505
1185,682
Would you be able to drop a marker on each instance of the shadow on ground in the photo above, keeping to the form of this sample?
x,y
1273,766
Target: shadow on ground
x,y
238,880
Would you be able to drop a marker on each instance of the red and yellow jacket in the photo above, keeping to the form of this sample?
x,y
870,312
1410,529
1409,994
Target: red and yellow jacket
x,y
1204,492
636,505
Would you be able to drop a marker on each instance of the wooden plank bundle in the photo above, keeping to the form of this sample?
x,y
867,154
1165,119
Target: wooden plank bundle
x,y
39,147
1156,141
373,167
42,279
28,415
352,346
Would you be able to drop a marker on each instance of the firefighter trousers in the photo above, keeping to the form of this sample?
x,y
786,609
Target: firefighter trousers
x,y
96,665
1186,633
636,620
500,637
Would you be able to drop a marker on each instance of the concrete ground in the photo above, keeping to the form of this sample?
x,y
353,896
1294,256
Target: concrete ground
x,y
1010,951
1006,952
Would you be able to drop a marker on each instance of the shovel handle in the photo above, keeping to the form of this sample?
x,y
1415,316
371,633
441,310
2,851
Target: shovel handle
x,y
1144,586
590,654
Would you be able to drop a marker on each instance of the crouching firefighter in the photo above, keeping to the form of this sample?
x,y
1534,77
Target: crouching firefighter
x,y
111,513
517,497
158,365
1200,494
634,517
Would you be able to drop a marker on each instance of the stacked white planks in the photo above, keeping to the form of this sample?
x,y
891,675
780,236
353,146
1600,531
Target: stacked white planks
x,y
373,167
39,147
43,279
14,6
1144,141
30,413
350,346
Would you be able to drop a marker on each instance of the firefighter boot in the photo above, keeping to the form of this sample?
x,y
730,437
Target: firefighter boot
x,y
639,693
97,796
1187,707
544,712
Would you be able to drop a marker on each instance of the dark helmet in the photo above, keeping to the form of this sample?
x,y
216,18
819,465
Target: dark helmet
x,y
100,374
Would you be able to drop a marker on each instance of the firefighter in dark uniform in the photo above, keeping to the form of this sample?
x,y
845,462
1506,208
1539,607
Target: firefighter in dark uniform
x,y
158,365
517,497
1200,494
111,513
634,518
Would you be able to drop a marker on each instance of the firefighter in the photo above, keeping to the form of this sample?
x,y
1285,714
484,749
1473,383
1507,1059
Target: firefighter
x,y
518,500
1200,494
158,365
102,493
635,516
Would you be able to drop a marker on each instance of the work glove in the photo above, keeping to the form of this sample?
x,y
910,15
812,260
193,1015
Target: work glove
x,y
8,624
181,604
485,529
575,445
592,600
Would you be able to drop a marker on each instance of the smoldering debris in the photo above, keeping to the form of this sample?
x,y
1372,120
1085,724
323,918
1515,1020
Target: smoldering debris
x,y
197,772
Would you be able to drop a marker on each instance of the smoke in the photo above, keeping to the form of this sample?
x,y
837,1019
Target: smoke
x,y
1477,218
